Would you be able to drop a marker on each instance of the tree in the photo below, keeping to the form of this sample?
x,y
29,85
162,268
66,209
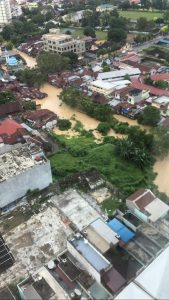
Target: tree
x,y
117,35
89,31
124,5
73,57
103,128
29,105
7,97
49,63
9,46
161,84
150,116
31,77
64,124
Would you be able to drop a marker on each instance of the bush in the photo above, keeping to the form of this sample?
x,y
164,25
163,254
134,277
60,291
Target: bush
x,y
64,124
103,128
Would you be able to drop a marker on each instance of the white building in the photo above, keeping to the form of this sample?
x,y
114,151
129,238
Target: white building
x,y
105,7
152,283
119,74
76,17
55,41
144,204
21,172
106,88
5,12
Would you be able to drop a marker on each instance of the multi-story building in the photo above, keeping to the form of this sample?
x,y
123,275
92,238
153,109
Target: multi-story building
x,y
22,170
55,41
5,12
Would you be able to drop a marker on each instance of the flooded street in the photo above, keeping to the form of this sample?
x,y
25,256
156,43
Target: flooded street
x,y
30,61
53,103
161,167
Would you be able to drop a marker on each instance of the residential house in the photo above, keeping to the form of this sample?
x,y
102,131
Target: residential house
x,y
10,108
76,17
145,205
105,8
162,103
41,119
135,96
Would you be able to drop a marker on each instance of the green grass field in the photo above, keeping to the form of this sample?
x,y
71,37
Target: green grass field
x,y
82,153
138,14
78,32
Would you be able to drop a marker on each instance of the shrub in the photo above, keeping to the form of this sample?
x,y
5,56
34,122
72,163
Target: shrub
x,y
64,124
103,128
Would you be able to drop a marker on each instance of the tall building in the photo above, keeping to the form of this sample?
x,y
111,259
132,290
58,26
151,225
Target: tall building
x,y
5,12
55,41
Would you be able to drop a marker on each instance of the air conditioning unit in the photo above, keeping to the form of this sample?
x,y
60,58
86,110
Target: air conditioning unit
x,y
64,260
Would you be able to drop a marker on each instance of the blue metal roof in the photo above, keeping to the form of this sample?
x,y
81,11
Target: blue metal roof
x,y
124,233
164,41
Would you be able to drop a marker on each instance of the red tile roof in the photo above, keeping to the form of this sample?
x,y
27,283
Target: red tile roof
x,y
136,194
9,127
142,198
153,90
163,76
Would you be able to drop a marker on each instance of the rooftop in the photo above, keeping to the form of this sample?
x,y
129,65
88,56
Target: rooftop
x,y
113,280
5,294
90,254
104,231
118,73
156,209
9,126
121,230
163,100
15,162
142,198
75,208
34,242
154,279
133,292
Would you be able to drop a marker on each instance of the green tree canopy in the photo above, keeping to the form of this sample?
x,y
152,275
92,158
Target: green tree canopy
x,y
117,35
89,31
49,63
6,97
150,116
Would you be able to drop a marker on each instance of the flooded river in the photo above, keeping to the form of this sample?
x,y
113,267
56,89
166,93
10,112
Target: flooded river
x,y
53,103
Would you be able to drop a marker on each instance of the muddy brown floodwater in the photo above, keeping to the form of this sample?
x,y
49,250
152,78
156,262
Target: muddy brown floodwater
x,y
53,103
161,167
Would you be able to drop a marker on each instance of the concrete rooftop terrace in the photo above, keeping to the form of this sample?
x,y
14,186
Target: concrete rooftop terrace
x,y
16,162
75,208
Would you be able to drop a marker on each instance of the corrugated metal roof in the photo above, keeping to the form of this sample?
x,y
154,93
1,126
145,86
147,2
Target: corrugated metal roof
x,y
104,231
124,233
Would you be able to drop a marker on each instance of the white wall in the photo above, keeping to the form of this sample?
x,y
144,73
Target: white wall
x,y
38,177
